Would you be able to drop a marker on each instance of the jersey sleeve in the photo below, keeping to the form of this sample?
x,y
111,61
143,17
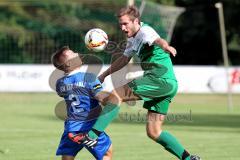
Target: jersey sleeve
x,y
94,84
61,94
149,35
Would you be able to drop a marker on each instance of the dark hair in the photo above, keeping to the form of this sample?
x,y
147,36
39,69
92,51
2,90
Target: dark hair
x,y
131,11
56,56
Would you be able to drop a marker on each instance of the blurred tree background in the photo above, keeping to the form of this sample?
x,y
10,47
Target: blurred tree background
x,y
197,34
30,31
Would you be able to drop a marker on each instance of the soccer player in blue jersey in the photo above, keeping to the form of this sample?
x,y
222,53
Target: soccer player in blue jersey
x,y
78,90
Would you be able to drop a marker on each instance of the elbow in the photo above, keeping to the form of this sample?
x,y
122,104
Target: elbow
x,y
125,60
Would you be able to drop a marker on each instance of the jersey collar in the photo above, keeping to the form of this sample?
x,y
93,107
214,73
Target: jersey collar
x,y
73,72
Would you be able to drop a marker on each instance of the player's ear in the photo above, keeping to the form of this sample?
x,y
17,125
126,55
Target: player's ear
x,y
136,21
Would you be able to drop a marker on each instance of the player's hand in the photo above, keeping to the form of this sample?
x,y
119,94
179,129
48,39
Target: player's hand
x,y
171,50
101,78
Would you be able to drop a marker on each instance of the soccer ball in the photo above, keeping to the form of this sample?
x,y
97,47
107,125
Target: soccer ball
x,y
96,40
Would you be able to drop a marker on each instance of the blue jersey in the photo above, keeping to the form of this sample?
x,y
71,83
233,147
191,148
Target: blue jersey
x,y
78,90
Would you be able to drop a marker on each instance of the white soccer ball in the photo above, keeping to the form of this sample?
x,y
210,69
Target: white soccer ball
x,y
96,40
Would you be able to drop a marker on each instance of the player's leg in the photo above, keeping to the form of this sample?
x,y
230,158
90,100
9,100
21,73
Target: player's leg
x,y
157,98
146,88
118,95
154,124
67,157
108,154
157,110
167,140
103,150
111,108
67,148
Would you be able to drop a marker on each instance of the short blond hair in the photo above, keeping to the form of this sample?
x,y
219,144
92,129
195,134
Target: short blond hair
x,y
131,11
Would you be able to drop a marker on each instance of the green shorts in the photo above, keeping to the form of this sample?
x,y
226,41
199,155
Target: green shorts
x,y
156,92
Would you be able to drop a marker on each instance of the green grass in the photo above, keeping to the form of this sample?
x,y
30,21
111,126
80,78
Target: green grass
x,y
29,129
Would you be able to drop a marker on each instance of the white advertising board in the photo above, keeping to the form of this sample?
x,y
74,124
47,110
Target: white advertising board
x,y
191,79
25,78
211,79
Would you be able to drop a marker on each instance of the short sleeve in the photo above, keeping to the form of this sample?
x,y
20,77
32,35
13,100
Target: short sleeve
x,y
58,85
96,86
149,35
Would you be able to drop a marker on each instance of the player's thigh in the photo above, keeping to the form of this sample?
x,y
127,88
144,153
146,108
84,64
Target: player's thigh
x,y
154,124
67,148
118,95
124,93
65,157
150,87
159,105
108,154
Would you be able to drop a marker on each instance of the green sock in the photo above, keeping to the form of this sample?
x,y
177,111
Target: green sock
x,y
109,112
170,143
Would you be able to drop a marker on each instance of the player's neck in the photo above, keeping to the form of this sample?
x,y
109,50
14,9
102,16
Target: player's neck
x,y
136,31
75,70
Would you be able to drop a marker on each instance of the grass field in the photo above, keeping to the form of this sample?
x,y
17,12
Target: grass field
x,y
29,129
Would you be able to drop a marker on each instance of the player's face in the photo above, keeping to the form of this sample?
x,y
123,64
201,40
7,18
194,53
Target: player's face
x,y
128,26
71,59
68,55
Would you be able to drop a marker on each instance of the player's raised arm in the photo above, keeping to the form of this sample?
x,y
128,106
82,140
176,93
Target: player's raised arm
x,y
151,37
115,66
165,46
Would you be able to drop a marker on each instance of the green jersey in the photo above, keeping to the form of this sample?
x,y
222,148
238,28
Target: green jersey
x,y
151,55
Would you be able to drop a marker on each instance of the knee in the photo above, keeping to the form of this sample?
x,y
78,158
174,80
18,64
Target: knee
x,y
153,134
106,97
112,98
67,158
108,155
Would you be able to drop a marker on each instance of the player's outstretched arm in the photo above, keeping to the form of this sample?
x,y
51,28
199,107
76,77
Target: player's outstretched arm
x,y
115,66
165,46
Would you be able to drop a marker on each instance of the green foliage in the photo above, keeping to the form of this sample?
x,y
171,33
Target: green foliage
x,y
35,29
197,33
30,31
164,2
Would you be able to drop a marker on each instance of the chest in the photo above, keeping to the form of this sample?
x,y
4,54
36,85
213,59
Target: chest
x,y
136,44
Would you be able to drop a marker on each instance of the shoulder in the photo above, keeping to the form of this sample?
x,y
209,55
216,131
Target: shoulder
x,y
82,75
60,80
146,29
90,77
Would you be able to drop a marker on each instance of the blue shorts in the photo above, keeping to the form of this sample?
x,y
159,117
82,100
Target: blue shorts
x,y
70,148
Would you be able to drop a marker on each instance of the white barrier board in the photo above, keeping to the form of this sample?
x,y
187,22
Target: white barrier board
x,y
191,79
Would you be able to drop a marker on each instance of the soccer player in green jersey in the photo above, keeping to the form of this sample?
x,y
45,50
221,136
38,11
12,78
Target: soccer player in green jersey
x,y
156,87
